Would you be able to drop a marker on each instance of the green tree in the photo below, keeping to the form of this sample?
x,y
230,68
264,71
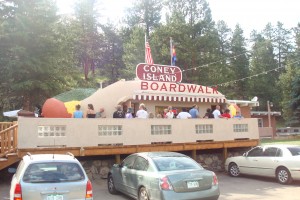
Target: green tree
x,y
263,81
146,13
87,36
295,103
32,67
288,81
239,63
134,52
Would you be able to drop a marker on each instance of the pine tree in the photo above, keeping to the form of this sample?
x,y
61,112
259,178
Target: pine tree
x,y
239,63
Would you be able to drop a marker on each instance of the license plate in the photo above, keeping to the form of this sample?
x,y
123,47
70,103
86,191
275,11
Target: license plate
x,y
55,197
192,184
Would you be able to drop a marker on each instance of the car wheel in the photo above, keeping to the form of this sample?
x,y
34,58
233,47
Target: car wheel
x,y
234,170
283,176
111,185
143,194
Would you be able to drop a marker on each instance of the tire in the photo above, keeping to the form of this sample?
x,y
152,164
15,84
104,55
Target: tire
x,y
111,185
233,170
143,194
283,176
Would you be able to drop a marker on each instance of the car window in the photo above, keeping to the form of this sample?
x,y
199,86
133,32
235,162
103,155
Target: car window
x,y
255,152
175,163
140,164
295,151
129,161
53,172
271,152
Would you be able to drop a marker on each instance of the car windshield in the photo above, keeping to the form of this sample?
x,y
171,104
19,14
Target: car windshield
x,y
175,163
295,151
53,172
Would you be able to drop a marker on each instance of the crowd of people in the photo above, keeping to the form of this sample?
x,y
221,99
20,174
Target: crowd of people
x,y
168,113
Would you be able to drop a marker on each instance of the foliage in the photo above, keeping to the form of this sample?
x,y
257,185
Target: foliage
x,y
263,61
77,94
32,63
43,53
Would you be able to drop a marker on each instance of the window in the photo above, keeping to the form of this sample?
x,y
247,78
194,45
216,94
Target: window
x,y
257,151
47,172
204,128
51,131
109,130
271,152
140,164
240,127
260,122
129,161
161,129
175,163
295,151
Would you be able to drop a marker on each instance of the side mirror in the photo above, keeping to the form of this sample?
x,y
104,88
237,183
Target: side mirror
x,y
12,170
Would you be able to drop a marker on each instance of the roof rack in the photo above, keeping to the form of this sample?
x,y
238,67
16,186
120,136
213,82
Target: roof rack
x,y
70,154
29,154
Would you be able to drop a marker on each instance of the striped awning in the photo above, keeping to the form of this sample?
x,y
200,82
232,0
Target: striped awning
x,y
151,97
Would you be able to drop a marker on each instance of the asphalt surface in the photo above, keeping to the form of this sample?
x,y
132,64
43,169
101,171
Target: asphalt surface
x,y
241,188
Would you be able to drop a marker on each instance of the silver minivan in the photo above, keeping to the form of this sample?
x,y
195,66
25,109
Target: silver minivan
x,y
50,177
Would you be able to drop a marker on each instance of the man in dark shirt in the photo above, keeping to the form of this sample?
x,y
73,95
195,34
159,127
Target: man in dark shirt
x,y
119,113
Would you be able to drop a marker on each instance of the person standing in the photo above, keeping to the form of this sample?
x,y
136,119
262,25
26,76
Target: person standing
x,y
142,113
100,114
184,114
78,113
129,113
119,113
170,113
194,111
217,113
208,114
226,114
90,113
238,115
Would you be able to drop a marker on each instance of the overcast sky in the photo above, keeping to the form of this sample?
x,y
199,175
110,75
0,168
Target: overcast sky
x,y
250,14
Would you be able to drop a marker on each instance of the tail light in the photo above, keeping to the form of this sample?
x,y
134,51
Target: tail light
x,y
18,192
215,180
165,184
89,190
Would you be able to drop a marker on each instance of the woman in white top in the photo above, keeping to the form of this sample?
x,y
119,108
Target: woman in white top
x,y
142,113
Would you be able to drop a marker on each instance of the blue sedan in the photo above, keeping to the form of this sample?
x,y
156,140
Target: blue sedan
x,y
162,176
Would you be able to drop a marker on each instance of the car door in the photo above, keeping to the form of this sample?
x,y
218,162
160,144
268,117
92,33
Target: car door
x,y
124,173
249,165
269,160
139,174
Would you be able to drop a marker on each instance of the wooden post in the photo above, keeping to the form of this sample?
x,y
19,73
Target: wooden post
x,y
118,158
225,154
194,154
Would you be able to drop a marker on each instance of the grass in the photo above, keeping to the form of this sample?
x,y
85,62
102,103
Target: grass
x,y
294,141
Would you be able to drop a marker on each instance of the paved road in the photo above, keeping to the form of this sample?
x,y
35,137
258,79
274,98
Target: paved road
x,y
245,188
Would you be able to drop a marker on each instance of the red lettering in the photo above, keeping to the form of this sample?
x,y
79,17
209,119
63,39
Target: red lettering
x,y
173,86
208,92
215,90
163,87
181,88
200,89
191,88
144,85
152,86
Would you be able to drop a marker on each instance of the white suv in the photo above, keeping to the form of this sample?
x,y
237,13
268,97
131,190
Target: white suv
x,y
50,177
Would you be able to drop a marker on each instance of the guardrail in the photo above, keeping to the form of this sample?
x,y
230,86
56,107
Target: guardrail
x,y
5,125
288,131
70,132
8,138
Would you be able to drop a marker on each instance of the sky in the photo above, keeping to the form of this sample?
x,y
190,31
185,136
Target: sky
x,y
249,14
